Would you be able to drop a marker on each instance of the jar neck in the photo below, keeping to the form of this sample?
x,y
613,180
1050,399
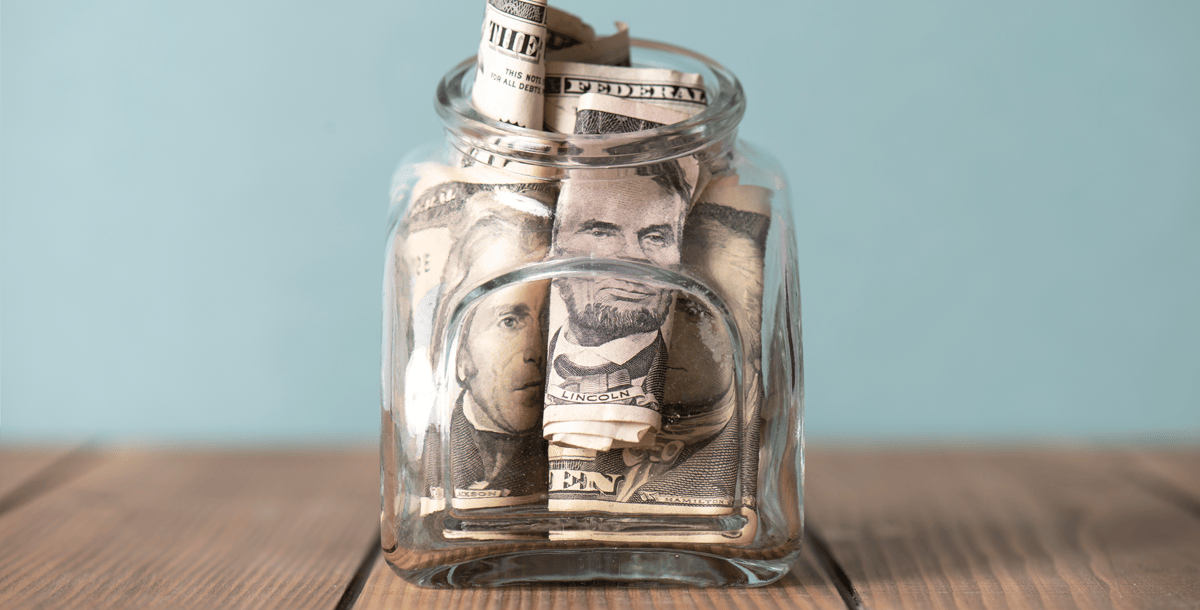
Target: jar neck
x,y
712,132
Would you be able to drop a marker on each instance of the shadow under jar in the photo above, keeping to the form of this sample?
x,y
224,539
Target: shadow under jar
x,y
488,363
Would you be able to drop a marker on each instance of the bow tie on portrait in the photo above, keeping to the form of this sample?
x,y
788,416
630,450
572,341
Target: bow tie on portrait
x,y
592,379
609,375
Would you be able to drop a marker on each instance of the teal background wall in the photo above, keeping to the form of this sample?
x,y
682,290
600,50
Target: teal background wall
x,y
998,207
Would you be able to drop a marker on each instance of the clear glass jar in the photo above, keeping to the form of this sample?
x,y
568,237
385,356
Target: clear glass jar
x,y
472,492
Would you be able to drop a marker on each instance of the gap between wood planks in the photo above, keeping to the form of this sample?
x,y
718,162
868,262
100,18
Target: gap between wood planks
x,y
145,525
354,588
69,466
1162,488
833,569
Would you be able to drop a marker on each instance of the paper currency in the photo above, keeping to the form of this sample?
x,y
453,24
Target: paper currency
x,y
705,444
564,30
725,246
511,63
570,39
612,50
602,113
566,82
467,225
609,338
693,465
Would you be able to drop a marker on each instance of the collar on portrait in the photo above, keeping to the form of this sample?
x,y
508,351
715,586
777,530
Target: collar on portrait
x,y
615,351
477,416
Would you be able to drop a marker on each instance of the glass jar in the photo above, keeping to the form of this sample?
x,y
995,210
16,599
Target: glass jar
x,y
485,322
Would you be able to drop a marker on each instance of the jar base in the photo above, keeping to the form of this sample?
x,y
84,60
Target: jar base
x,y
599,567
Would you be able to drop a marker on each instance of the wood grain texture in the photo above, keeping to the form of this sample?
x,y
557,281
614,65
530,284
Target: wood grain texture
x,y
806,586
194,530
18,465
1001,529
912,529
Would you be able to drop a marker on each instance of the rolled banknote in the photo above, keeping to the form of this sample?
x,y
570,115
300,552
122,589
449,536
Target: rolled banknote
x,y
609,340
464,226
566,82
565,29
706,444
511,63
611,50
570,39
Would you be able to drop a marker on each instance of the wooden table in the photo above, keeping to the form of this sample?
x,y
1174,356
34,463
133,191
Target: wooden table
x,y
1081,527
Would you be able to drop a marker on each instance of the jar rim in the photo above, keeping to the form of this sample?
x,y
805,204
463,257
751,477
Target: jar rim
x,y
482,137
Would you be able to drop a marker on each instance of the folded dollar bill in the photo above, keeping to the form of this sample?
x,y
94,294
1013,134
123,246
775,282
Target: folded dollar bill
x,y
611,50
609,336
566,82
467,225
570,39
706,443
564,30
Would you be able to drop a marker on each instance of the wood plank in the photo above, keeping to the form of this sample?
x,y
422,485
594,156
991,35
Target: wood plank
x,y
1001,529
186,529
18,464
806,586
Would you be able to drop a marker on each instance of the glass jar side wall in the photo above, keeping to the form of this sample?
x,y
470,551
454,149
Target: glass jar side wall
x,y
492,195
415,541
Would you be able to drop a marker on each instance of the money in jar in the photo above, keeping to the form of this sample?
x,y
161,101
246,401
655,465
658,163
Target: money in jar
x,y
592,340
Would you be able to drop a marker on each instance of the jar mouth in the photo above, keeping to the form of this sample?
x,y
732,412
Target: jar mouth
x,y
480,136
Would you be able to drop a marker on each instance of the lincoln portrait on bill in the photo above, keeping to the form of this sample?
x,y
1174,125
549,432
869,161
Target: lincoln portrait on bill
x,y
637,219
608,343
